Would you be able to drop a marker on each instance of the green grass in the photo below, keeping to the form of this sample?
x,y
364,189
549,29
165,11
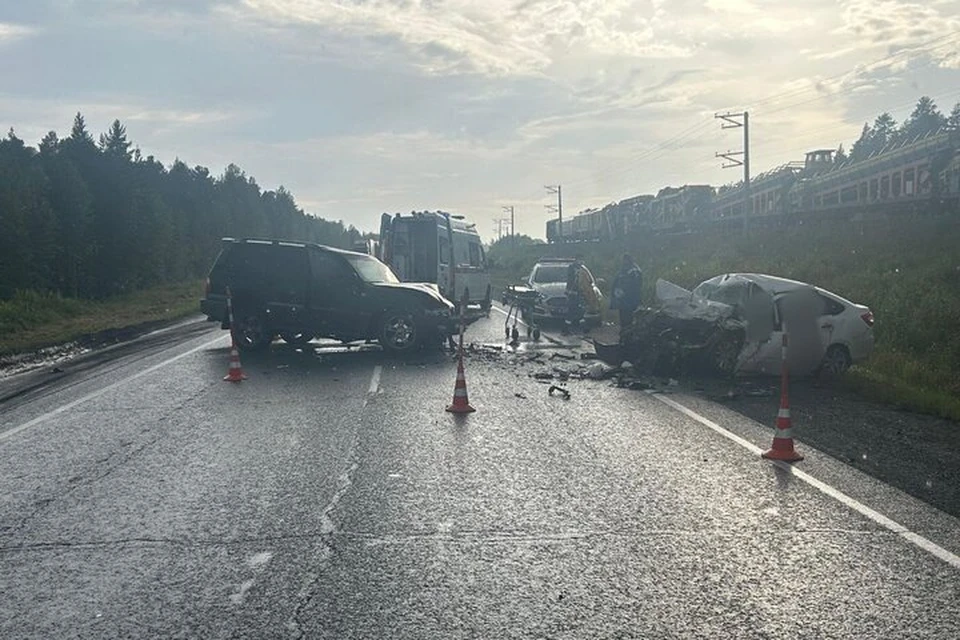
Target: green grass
x,y
32,320
906,270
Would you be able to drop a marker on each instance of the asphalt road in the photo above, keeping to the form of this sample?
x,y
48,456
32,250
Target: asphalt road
x,y
331,496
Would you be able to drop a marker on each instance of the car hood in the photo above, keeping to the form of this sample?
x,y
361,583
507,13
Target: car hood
x,y
424,287
680,303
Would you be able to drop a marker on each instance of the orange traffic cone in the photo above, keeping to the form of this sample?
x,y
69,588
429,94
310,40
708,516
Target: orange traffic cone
x,y
782,448
236,373
461,404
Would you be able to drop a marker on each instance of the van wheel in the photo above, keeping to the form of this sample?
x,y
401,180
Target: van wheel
x,y
250,331
398,332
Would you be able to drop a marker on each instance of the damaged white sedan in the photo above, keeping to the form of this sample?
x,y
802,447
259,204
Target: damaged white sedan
x,y
827,333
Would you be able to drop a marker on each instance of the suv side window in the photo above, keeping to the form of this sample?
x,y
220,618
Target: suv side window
x,y
277,273
330,276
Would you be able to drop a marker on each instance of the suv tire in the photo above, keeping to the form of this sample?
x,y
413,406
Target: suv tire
x,y
399,332
250,331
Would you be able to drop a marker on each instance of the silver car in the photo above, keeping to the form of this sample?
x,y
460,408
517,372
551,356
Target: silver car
x,y
549,278
827,332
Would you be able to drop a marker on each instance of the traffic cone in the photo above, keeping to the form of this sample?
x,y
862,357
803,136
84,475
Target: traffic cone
x,y
235,374
460,402
782,448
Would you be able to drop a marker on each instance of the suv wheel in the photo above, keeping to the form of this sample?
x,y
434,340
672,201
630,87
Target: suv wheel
x,y
398,331
250,331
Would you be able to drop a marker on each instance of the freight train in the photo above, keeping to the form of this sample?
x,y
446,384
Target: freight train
x,y
922,173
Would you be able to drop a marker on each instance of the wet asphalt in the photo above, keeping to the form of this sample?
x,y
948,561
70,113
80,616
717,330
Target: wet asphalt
x,y
331,496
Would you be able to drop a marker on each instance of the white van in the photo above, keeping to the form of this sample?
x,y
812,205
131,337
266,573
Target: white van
x,y
439,248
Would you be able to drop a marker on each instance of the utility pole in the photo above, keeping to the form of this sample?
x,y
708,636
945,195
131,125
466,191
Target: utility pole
x,y
499,223
513,229
735,121
558,208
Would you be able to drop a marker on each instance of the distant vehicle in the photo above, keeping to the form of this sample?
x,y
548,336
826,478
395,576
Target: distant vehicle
x,y
438,248
369,246
549,278
763,302
302,291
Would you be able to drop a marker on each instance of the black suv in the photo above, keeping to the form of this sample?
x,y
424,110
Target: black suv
x,y
303,291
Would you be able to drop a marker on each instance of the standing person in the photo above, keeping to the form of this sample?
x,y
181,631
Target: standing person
x,y
627,290
573,293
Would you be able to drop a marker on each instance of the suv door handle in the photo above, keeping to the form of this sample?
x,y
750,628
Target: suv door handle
x,y
826,326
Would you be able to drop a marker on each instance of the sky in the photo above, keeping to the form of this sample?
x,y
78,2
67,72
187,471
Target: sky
x,y
364,106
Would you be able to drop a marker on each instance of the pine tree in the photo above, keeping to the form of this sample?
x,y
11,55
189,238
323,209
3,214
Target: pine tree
x,y
114,143
79,132
861,149
953,121
50,144
925,119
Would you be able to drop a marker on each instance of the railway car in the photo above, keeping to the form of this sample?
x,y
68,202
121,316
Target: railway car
x,y
907,175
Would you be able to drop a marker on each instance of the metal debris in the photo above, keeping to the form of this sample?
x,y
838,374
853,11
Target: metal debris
x,y
564,393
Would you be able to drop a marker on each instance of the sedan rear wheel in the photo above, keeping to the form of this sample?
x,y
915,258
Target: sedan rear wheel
x,y
835,362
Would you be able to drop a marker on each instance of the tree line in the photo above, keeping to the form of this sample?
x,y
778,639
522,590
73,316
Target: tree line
x,y
90,219
925,118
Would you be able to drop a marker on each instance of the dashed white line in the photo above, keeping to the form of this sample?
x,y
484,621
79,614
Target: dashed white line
x,y
99,392
375,380
882,520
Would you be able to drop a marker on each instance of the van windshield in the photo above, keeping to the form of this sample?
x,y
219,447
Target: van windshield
x,y
371,269
547,273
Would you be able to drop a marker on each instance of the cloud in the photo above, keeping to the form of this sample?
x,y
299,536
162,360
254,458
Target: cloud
x,y
10,32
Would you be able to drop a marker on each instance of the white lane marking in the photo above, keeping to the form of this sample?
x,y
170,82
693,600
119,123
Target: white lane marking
x,y
237,598
519,321
882,520
259,560
375,380
99,392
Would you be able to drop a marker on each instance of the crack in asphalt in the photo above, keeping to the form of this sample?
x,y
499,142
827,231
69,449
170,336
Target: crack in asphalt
x,y
113,461
328,530
473,537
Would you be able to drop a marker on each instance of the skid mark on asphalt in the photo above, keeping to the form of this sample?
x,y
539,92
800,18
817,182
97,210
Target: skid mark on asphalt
x,y
887,523
328,525
99,392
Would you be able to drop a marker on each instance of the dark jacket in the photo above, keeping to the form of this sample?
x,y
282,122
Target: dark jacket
x,y
627,289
